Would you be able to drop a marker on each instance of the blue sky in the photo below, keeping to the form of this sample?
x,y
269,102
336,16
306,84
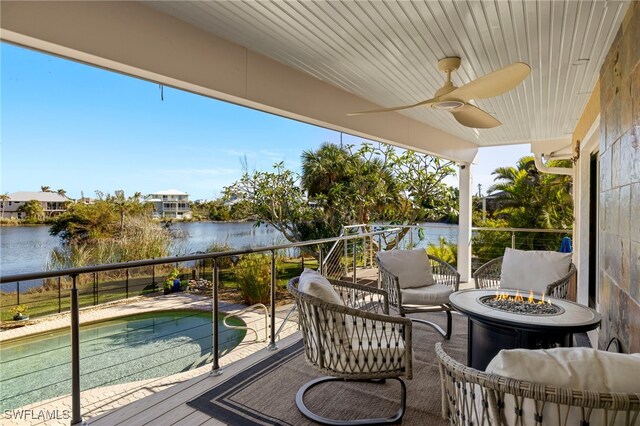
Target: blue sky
x,y
72,126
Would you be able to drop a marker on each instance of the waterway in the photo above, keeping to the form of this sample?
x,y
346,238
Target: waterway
x,y
26,249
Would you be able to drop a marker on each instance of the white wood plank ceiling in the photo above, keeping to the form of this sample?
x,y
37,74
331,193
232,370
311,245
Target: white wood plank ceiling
x,y
387,51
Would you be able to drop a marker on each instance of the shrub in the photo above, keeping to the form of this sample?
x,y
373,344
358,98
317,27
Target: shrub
x,y
253,274
444,250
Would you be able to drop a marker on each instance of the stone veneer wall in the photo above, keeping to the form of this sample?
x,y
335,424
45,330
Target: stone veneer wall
x,y
619,227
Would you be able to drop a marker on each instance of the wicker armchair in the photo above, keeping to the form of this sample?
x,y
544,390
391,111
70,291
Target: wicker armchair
x,y
358,342
488,276
443,274
473,397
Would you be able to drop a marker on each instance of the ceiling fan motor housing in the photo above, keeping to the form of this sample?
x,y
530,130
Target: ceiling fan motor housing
x,y
448,105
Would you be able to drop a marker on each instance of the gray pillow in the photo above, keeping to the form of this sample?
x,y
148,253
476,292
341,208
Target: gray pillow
x,y
412,267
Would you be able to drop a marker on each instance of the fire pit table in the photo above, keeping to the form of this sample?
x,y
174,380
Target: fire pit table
x,y
529,322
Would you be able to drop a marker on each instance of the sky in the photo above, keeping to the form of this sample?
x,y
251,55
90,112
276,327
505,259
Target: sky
x,y
79,128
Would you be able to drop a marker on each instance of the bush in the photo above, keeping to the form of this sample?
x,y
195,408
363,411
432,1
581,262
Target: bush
x,y
253,274
444,250
217,247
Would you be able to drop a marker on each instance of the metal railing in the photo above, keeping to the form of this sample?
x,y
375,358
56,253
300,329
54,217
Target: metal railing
x,y
490,243
87,280
487,243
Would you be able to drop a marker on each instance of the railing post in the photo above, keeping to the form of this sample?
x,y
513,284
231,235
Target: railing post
x,y
355,258
272,340
215,370
513,240
76,417
410,237
17,292
127,284
346,256
59,295
320,261
153,278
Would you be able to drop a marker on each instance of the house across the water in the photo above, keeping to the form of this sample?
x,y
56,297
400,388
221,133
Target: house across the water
x,y
52,203
170,204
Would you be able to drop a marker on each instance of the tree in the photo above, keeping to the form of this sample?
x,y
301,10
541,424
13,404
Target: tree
x,y
113,229
45,189
527,198
33,211
531,199
343,186
62,192
4,198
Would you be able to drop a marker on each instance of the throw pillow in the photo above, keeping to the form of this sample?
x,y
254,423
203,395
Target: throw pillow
x,y
533,270
412,267
575,368
314,284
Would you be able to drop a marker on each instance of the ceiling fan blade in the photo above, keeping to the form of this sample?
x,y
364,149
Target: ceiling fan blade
x,y
493,84
398,108
472,116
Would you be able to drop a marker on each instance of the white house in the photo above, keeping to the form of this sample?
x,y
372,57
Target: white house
x,y
170,204
52,203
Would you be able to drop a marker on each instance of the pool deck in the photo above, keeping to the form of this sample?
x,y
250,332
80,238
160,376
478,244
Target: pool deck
x,y
97,401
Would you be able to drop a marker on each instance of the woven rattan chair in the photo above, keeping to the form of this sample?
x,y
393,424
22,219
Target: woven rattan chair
x,y
473,397
488,276
357,342
443,274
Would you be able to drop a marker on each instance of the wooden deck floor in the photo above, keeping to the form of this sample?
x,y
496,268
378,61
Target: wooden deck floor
x,y
169,407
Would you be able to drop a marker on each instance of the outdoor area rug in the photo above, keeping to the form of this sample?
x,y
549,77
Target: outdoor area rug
x,y
264,394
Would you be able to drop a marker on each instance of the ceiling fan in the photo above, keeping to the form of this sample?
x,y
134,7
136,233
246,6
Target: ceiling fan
x,y
456,99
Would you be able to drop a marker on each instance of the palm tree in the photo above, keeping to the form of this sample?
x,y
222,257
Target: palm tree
x,y
62,192
530,199
323,168
33,211
45,189
4,197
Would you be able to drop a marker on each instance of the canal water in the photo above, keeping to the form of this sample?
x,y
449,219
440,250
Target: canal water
x,y
26,249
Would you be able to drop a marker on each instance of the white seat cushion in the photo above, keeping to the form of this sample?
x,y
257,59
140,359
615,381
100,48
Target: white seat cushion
x,y
412,267
576,368
436,294
533,269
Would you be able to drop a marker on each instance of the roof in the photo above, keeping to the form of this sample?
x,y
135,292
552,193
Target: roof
x,y
169,192
40,196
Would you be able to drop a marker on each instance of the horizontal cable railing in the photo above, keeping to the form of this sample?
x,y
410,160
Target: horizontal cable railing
x,y
490,243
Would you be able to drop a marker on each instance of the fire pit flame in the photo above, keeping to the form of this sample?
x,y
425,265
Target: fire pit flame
x,y
519,298
517,303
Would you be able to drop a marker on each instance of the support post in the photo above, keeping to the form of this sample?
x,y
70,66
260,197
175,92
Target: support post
x,y
272,340
464,223
76,417
355,259
346,256
215,368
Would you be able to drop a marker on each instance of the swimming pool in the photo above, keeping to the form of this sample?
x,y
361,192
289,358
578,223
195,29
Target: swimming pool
x,y
122,350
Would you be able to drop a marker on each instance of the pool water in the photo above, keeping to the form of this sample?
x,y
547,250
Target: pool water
x,y
127,349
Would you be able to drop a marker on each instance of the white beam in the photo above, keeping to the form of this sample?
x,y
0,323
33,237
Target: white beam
x,y
464,223
134,39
